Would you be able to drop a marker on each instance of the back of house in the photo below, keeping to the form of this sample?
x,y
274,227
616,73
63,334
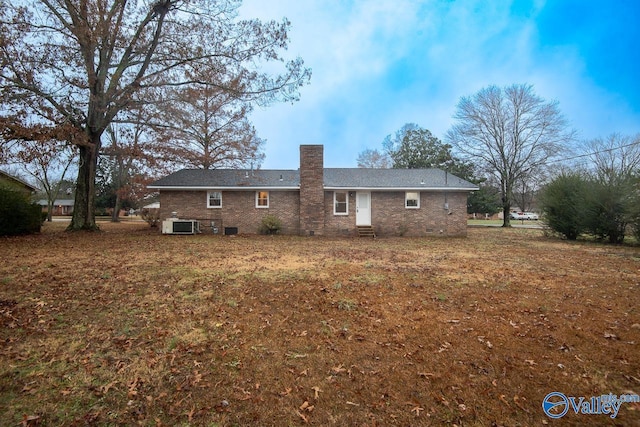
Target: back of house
x,y
314,200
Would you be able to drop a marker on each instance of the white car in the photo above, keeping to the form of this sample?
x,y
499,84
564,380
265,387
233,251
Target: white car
x,y
517,215
524,215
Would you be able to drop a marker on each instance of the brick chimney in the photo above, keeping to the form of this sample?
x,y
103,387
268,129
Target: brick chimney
x,y
311,190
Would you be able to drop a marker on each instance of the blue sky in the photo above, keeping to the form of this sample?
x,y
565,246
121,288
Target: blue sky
x,y
378,64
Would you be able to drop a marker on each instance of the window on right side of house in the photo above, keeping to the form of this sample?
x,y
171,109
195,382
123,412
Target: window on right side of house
x,y
214,199
412,200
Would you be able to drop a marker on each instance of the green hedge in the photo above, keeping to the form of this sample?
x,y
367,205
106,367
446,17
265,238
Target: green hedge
x,y
17,214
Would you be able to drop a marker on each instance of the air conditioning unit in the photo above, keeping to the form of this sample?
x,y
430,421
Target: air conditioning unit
x,y
180,226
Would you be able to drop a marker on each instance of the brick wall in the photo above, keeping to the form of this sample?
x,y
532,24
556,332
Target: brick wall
x,y
312,198
238,209
340,225
389,216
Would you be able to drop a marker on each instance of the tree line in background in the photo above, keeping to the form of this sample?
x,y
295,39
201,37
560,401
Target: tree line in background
x,y
516,147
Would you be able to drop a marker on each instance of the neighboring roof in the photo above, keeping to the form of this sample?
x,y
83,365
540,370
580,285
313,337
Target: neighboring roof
x,y
334,178
17,181
57,202
154,205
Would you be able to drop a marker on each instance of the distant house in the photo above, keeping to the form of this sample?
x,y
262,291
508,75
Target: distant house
x,y
315,200
61,207
10,181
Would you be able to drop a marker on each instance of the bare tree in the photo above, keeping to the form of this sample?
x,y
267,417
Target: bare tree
x,y
91,60
510,133
373,159
615,158
204,127
613,198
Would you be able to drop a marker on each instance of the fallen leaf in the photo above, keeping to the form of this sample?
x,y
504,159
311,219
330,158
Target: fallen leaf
x,y
338,369
286,392
306,406
317,392
107,387
445,346
417,410
305,419
516,400
30,420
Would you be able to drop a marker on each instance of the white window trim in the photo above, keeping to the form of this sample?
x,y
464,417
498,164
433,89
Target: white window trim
x,y
257,195
209,199
346,193
406,199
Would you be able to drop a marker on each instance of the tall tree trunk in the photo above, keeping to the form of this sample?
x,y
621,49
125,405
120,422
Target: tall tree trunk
x,y
506,211
50,210
115,215
506,204
84,217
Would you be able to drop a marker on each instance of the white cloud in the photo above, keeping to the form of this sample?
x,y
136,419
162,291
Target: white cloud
x,y
379,64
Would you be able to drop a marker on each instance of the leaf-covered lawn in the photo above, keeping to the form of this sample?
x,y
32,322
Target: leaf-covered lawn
x,y
127,326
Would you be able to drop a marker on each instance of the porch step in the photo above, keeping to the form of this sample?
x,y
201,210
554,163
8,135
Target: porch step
x,y
366,231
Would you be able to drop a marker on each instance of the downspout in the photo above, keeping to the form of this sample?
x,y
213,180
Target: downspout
x,y
446,202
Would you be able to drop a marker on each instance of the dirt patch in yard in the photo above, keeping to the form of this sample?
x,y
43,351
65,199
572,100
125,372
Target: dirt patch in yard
x,y
127,326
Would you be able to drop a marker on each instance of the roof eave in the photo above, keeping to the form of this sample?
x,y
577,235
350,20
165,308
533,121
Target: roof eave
x,y
208,187
401,188
284,188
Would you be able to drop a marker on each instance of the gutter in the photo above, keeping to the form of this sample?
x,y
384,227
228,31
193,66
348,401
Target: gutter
x,y
331,188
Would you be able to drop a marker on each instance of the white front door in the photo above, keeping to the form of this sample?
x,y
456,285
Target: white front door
x,y
363,208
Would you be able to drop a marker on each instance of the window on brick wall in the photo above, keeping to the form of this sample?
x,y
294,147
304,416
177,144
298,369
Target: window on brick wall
x,y
340,203
262,199
214,199
412,200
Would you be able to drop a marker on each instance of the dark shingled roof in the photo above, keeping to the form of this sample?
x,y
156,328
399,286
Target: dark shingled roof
x,y
347,178
393,178
223,178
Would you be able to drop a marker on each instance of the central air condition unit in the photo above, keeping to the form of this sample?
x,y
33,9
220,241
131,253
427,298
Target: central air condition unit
x,y
180,226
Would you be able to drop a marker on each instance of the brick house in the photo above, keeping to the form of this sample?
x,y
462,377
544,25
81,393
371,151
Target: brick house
x,y
315,200
61,207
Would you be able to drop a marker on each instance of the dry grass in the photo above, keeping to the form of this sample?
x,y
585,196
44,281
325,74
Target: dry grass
x,y
128,327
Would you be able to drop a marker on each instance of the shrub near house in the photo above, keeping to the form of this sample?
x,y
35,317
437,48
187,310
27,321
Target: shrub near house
x,y
17,214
